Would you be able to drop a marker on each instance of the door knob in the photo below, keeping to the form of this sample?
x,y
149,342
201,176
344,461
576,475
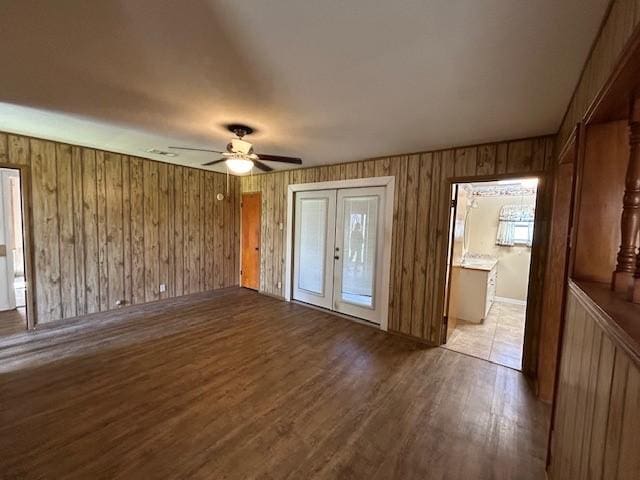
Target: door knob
x,y
257,248
336,257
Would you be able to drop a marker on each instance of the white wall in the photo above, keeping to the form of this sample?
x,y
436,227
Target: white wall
x,y
513,262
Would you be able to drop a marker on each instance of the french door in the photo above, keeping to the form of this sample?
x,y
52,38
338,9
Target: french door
x,y
338,250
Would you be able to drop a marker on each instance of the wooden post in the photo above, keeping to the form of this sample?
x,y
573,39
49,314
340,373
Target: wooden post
x,y
635,294
623,277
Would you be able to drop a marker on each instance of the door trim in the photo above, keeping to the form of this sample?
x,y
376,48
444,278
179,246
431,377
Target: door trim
x,y
387,182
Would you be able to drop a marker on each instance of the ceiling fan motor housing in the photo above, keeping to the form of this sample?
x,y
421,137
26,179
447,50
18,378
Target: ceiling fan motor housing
x,y
239,146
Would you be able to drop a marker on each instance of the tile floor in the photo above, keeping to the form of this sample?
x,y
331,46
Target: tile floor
x,y
498,339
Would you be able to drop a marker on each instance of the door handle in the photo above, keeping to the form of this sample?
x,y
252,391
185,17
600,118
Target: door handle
x,y
336,257
257,248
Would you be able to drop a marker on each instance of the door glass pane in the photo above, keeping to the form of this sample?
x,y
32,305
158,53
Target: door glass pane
x,y
360,247
313,237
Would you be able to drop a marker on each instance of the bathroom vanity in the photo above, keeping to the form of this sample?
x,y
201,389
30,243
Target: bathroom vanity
x,y
473,289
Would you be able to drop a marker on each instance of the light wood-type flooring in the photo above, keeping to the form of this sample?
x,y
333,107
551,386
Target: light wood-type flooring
x,y
236,385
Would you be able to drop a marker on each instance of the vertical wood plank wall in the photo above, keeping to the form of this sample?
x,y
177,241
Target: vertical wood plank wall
x,y
420,230
110,227
597,427
623,18
606,157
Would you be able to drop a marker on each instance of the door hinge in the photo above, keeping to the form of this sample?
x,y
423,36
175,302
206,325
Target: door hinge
x,y
240,204
240,272
454,203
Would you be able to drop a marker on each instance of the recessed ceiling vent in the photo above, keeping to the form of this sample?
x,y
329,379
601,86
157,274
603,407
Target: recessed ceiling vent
x,y
155,151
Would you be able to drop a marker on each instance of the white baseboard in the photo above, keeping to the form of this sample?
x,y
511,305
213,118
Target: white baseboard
x,y
509,300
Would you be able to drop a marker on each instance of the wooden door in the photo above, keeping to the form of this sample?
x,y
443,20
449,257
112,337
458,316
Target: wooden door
x,y
251,223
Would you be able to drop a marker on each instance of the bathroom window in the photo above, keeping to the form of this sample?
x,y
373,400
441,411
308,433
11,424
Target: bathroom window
x,y
515,225
523,233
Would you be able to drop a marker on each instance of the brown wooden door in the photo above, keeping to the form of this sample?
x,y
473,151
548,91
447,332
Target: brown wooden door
x,y
251,214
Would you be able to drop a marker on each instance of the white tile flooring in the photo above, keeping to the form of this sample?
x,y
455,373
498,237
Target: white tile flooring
x,y
498,339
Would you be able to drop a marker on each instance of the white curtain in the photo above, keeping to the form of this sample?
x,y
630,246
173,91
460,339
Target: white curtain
x,y
505,233
510,216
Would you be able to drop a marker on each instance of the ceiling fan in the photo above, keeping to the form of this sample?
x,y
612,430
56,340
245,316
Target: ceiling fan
x,y
239,157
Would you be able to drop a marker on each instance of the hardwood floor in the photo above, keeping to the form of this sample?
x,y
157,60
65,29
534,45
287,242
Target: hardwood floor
x,y
232,384
13,321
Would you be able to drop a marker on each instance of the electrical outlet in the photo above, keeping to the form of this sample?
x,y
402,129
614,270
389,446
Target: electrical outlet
x,y
163,288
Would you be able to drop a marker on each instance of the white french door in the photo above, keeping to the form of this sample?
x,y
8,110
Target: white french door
x,y
338,250
314,243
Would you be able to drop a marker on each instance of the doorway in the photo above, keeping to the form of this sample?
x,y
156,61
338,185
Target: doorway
x,y
489,263
13,281
339,247
251,224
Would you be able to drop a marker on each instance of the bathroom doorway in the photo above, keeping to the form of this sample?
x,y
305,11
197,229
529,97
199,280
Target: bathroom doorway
x,y
490,258
13,272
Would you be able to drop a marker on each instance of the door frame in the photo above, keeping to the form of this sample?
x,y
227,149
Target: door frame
x,y
539,238
387,182
27,241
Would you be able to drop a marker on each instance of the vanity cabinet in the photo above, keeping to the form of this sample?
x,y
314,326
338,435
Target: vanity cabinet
x,y
473,291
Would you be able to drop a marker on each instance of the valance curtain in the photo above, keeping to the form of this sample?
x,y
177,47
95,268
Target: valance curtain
x,y
510,217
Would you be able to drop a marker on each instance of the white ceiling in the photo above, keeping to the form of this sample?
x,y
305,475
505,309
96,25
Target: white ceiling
x,y
330,81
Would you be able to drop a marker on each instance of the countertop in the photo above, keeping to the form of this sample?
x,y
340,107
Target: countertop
x,y
477,264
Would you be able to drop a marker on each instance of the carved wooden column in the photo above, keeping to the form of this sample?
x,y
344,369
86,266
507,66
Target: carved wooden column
x,y
623,277
635,294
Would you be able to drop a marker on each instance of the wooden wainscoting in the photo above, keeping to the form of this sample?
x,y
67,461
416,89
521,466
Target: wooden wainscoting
x,y
110,228
420,228
596,425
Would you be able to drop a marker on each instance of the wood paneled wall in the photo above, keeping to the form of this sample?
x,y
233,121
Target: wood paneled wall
x,y
596,430
606,155
109,227
420,229
617,29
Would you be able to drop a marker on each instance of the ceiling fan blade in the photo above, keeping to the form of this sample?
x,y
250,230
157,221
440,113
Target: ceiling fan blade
x,y
278,158
262,166
213,162
196,149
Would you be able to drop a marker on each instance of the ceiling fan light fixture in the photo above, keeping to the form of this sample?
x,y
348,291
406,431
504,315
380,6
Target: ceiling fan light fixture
x,y
239,164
